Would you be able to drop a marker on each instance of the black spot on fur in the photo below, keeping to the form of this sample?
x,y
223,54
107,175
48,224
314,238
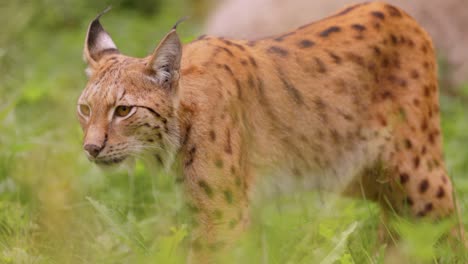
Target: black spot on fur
x,y
230,43
382,120
227,42
424,125
265,103
242,48
252,61
320,104
239,88
290,88
206,188
426,65
423,186
408,143
250,81
305,43
358,27
378,15
278,50
228,147
228,51
387,95
421,214
330,30
376,26
432,137
320,65
440,192
190,156
336,58
409,201
428,207
335,136
403,83
394,39
346,116
377,50
444,179
424,48
404,178
358,59
212,135
385,62
427,91
236,81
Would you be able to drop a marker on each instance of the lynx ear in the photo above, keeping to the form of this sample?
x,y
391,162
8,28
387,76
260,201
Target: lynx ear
x,y
97,43
164,63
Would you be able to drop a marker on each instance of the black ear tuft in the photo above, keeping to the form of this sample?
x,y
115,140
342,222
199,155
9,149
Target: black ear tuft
x,y
164,63
98,42
179,21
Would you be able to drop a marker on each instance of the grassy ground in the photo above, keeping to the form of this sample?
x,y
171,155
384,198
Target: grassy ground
x,y
56,207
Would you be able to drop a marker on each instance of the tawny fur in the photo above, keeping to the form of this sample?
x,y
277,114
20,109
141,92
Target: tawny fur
x,y
346,103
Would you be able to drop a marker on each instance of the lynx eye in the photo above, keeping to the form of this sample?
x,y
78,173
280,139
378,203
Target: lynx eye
x,y
84,110
123,110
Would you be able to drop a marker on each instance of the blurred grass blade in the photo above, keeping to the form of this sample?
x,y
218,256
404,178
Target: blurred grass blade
x,y
132,238
4,111
167,246
336,253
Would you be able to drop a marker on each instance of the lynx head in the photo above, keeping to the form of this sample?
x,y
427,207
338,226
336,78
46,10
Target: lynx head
x,y
128,107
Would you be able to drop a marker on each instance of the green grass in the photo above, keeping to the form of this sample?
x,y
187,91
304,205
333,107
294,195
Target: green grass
x,y
56,207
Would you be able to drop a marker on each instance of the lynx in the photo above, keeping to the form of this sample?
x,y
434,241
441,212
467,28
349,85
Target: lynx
x,y
347,103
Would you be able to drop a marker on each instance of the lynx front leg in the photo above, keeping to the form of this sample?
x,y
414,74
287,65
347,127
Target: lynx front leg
x,y
216,184
219,215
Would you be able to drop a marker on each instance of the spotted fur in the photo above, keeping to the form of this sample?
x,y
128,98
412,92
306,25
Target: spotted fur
x,y
348,103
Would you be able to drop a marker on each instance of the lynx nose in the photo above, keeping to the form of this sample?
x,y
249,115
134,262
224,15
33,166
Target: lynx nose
x,y
93,150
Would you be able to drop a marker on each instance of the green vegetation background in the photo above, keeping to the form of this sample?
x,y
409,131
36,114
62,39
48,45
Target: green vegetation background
x,y
56,207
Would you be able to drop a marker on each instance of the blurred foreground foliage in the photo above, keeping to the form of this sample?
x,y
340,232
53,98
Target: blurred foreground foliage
x,y
56,207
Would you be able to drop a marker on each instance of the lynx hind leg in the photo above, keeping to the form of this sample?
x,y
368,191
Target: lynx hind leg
x,y
408,107
419,187
409,176
410,180
419,183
